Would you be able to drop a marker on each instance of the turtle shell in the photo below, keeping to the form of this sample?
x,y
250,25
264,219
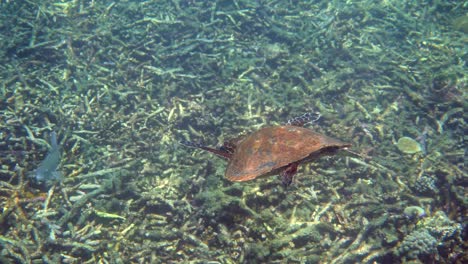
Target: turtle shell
x,y
272,148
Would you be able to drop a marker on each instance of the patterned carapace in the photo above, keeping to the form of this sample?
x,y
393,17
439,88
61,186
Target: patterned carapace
x,y
272,150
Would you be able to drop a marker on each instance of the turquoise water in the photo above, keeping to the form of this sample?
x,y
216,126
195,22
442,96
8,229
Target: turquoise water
x,y
122,83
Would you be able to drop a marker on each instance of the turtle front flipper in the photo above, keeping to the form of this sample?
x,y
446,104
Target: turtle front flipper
x,y
222,152
228,147
288,173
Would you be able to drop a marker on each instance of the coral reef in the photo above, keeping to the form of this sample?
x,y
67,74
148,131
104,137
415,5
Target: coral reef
x,y
440,226
123,82
418,243
430,237
426,185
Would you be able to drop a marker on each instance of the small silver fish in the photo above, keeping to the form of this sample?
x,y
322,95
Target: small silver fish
x,y
47,171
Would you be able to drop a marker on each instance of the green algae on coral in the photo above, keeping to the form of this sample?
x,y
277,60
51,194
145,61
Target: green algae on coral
x,y
408,145
461,23
414,212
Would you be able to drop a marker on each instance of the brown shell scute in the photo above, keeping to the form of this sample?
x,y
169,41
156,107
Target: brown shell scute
x,y
271,148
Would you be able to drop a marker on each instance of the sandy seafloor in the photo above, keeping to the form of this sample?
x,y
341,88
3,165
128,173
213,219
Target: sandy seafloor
x,y
121,83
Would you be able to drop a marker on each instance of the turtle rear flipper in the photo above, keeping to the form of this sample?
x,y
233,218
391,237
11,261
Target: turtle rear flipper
x,y
304,119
